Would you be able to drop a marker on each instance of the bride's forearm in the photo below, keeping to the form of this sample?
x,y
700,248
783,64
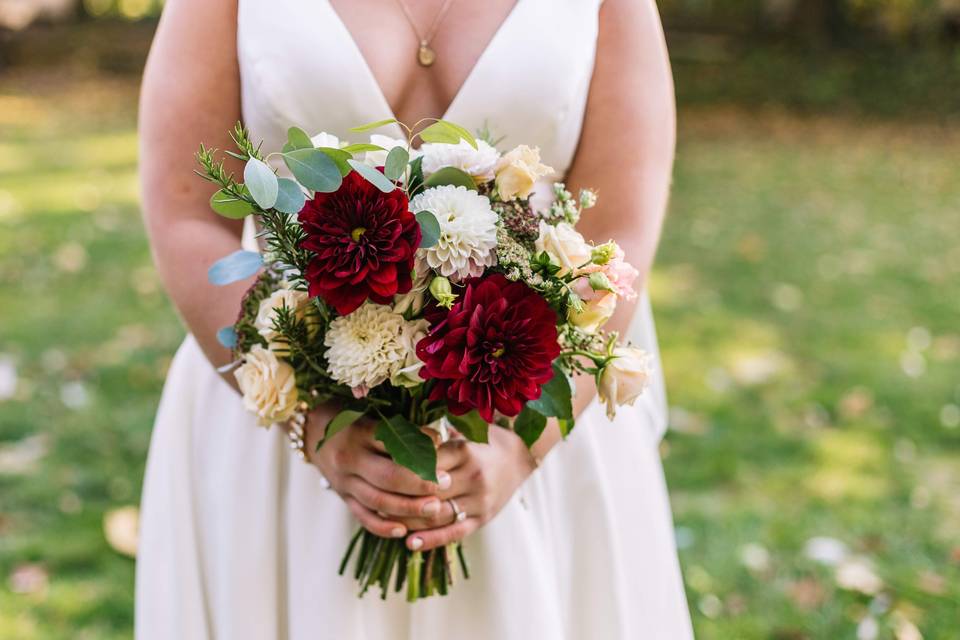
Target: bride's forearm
x,y
183,250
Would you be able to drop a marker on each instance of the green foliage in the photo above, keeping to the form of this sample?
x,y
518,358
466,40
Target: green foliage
x,y
314,169
429,229
473,427
555,399
396,164
373,176
452,176
408,446
529,424
261,182
447,132
340,422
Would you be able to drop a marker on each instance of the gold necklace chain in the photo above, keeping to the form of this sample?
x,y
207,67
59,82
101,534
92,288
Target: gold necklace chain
x,y
426,56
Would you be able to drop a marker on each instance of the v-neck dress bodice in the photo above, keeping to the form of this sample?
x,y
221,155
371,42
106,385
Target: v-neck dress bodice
x,y
300,64
240,540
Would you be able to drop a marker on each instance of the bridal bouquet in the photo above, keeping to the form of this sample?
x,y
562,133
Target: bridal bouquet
x,y
417,287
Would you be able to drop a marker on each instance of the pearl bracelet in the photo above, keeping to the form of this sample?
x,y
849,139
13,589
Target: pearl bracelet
x,y
297,433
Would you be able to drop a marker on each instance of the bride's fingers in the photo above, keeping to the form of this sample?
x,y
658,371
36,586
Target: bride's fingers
x,y
394,505
452,454
445,516
387,475
433,538
374,523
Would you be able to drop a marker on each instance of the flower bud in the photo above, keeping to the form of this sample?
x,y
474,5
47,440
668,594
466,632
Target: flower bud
x,y
604,253
442,292
600,282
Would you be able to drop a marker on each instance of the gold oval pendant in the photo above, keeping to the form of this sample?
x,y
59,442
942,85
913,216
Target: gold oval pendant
x,y
426,55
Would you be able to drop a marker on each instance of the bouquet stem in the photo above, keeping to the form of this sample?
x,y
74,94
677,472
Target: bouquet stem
x,y
424,573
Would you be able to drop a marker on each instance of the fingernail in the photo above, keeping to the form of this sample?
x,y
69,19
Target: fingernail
x,y
398,532
416,543
444,480
431,508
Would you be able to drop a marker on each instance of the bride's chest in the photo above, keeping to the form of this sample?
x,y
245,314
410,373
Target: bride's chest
x,y
523,74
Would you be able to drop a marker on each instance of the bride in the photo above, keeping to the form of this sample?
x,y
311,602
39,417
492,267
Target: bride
x,y
240,539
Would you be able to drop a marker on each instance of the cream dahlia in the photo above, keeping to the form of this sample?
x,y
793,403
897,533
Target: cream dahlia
x,y
478,163
468,231
367,346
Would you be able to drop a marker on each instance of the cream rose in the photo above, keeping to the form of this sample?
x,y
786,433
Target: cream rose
x,y
268,385
565,244
408,375
296,301
594,313
624,378
518,171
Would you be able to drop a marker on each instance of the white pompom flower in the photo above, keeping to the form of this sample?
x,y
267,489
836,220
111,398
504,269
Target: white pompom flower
x,y
468,231
367,347
479,163
324,139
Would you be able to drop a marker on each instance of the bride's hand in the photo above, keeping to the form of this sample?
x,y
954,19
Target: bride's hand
x,y
370,483
483,478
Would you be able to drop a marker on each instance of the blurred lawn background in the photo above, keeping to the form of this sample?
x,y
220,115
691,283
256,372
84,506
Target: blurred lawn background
x,y
807,294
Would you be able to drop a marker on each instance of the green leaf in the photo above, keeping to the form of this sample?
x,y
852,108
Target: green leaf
x,y
416,175
373,125
471,425
555,398
339,422
313,169
230,207
408,446
261,181
339,157
446,132
429,229
297,138
290,198
450,175
529,425
372,176
396,163
360,147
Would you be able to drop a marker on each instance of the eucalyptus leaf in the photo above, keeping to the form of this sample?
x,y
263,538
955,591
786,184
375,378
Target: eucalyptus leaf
x,y
227,336
416,175
229,207
555,397
446,132
529,425
360,147
408,446
314,169
339,157
450,175
290,198
373,125
373,176
473,427
261,181
396,164
429,229
297,138
340,422
237,266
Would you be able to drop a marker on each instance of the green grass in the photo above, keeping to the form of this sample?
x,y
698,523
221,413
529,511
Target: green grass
x,y
806,264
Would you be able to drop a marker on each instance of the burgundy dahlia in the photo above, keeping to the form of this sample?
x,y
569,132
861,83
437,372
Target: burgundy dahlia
x,y
493,351
363,241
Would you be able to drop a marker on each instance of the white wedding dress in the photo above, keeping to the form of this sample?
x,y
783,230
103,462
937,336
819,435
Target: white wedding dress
x,y
239,538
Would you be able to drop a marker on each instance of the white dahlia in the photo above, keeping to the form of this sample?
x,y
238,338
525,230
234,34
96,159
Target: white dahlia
x,y
479,163
378,158
468,231
366,347
324,139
